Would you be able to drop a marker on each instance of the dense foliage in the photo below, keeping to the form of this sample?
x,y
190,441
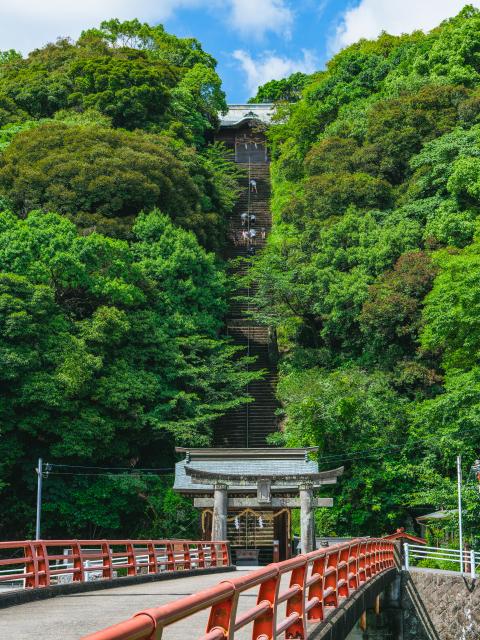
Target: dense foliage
x,y
109,351
283,90
114,124
371,274
102,178
111,308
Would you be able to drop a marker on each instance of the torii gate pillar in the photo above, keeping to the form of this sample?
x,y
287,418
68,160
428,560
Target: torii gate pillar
x,y
220,508
307,518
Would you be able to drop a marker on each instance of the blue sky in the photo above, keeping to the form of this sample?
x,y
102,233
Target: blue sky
x,y
253,40
249,54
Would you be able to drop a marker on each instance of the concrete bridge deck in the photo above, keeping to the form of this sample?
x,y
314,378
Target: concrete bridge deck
x,y
70,617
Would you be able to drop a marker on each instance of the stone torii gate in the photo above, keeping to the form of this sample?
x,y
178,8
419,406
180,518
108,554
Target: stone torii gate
x,y
225,481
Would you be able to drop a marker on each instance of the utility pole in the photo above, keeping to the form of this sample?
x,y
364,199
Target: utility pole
x,y
460,524
39,471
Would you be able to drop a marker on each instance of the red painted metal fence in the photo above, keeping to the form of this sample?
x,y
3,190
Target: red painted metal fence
x,y
40,563
318,582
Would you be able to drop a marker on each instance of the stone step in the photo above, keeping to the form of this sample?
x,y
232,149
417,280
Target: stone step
x,y
252,423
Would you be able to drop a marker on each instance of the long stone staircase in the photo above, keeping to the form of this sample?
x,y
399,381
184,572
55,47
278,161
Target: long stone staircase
x,y
249,426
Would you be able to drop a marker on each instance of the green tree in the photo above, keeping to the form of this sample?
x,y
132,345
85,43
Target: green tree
x,y
126,70
102,179
110,354
391,315
132,92
283,90
351,411
375,168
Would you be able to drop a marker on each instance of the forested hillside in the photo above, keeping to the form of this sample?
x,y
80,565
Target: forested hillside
x,y
113,212
372,272
111,301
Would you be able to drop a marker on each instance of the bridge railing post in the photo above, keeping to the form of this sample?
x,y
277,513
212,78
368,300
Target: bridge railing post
x,y
152,557
213,554
131,559
472,564
316,585
331,579
352,569
227,558
170,553
370,560
266,625
107,560
362,559
186,556
43,564
296,603
377,547
342,572
31,566
407,558
223,614
201,555
77,555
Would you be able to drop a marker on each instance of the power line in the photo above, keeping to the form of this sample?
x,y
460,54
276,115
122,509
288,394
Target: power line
x,y
110,475
79,466
348,456
373,451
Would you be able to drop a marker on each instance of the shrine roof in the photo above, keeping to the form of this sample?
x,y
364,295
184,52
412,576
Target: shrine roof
x,y
240,113
400,534
241,468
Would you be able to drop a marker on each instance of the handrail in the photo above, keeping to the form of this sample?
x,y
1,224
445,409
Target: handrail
x,y
32,564
468,561
318,582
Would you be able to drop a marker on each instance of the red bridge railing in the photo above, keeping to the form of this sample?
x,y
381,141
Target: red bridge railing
x,y
318,582
41,563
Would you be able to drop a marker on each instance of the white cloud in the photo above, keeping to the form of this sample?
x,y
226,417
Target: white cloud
x,y
26,24
371,17
270,66
255,17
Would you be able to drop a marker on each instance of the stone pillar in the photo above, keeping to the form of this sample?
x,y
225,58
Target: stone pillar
x,y
220,503
307,522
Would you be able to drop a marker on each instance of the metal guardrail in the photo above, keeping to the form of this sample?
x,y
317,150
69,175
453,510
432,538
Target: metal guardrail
x,y
33,564
468,561
319,581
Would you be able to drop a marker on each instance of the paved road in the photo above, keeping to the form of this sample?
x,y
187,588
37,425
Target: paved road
x,y
74,616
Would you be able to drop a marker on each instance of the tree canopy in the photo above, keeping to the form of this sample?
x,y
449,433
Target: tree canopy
x,y
110,351
102,178
370,273
111,298
283,90
117,123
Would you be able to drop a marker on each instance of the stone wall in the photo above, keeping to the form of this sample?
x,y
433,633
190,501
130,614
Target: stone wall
x,y
440,605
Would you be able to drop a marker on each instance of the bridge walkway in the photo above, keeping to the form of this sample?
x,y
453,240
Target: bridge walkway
x,y
71,617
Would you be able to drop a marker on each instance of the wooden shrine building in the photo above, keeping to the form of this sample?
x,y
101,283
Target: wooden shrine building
x,y
246,495
242,130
